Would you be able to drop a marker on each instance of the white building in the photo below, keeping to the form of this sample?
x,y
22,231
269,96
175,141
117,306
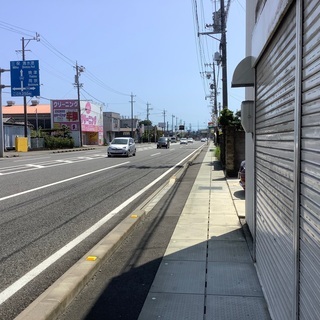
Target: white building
x,y
282,71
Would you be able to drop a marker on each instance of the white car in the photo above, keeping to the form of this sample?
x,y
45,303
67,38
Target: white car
x,y
183,141
204,139
190,140
122,146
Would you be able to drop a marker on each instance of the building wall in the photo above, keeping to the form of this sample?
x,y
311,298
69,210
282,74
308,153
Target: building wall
x,y
286,45
249,137
91,123
111,126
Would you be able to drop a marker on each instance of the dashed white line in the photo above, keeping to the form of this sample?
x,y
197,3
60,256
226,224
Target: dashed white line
x,y
34,165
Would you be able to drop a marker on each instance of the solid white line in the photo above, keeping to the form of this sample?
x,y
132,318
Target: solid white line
x,y
59,182
20,283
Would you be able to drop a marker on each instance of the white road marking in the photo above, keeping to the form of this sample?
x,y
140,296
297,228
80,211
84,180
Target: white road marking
x,y
35,166
45,164
59,182
65,161
30,158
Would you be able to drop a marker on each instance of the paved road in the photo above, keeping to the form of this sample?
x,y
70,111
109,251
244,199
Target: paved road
x,y
119,289
48,200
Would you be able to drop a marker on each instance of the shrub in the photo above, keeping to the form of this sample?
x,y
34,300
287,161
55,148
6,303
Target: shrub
x,y
53,142
217,152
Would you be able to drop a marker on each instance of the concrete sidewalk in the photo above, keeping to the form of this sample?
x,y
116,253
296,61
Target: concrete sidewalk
x,y
207,271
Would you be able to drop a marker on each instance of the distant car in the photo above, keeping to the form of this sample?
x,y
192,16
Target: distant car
x,y
190,140
204,139
242,174
183,141
173,140
163,142
122,147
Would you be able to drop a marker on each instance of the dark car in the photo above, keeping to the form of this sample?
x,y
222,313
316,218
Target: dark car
x,y
242,174
163,142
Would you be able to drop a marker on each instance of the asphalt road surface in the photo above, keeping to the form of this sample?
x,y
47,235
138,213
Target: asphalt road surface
x,y
50,202
119,289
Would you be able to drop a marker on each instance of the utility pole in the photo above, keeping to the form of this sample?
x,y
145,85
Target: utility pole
x,y
148,113
24,97
213,86
215,106
176,127
223,46
164,122
219,26
131,101
172,125
77,84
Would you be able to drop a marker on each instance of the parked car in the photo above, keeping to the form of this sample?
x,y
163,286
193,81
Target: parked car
x,y
163,142
122,147
242,174
183,141
190,140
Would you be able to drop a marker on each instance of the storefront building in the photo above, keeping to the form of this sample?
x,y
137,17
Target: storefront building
x,y
283,47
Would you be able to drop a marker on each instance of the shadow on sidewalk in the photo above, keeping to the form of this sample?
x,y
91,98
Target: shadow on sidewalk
x,y
231,284
240,194
217,165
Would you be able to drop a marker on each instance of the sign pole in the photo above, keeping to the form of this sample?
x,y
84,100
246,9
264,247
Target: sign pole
x,y
2,145
25,99
1,120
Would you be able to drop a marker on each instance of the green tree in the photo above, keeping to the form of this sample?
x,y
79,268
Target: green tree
x,y
145,122
227,118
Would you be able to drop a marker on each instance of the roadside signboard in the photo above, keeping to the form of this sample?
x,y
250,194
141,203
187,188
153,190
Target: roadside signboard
x,y
25,78
65,113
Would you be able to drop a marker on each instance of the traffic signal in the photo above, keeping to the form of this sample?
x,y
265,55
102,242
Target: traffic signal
x,y
181,127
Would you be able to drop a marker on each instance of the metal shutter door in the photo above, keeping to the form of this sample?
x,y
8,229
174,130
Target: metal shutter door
x,y
310,165
274,158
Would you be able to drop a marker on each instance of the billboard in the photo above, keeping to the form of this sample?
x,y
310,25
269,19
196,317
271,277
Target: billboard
x,y
65,112
91,117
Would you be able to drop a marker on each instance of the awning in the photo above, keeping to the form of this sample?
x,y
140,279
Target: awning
x,y
243,75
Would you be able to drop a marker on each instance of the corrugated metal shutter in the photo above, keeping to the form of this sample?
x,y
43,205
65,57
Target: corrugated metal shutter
x,y
310,166
274,172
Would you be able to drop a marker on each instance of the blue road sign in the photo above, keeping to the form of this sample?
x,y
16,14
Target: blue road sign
x,y
25,78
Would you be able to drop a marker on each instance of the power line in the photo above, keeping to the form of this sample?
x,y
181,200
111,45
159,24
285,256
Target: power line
x,y
92,96
15,29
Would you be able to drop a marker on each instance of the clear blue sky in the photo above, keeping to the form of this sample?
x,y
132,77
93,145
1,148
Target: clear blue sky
x,y
146,47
